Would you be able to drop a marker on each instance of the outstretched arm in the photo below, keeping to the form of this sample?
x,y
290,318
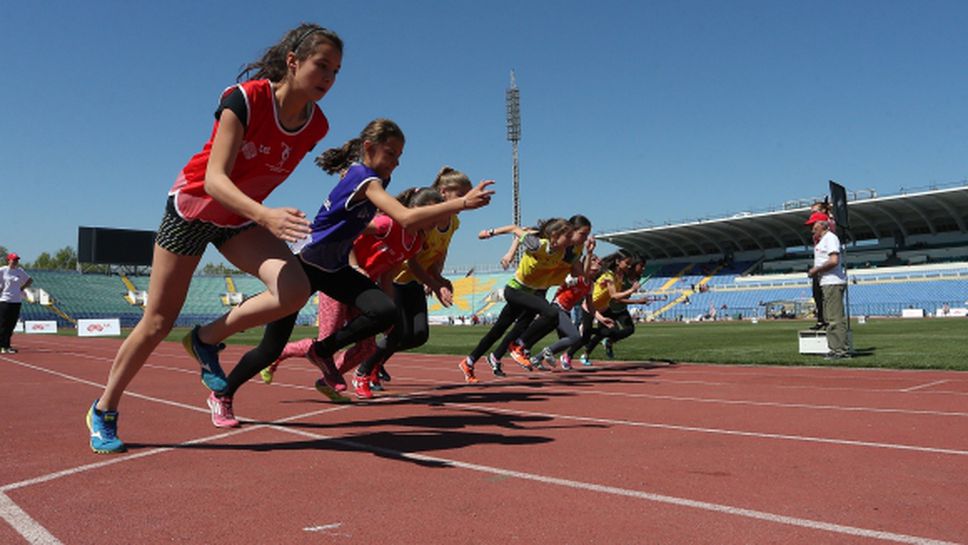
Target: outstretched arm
x,y
414,217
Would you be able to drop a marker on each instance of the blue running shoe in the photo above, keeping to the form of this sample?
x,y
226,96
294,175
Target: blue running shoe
x,y
207,355
104,431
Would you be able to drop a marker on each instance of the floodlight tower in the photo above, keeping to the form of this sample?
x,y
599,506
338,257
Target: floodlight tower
x,y
513,102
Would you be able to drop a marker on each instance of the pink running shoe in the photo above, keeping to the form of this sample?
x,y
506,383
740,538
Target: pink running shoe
x,y
565,361
221,407
331,375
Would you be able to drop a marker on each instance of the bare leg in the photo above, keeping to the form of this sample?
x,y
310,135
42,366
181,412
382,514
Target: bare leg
x,y
171,275
260,254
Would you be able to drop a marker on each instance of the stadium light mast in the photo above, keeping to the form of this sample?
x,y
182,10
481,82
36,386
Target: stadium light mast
x,y
513,103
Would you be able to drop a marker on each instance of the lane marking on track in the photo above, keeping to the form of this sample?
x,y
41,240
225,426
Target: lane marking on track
x,y
717,431
24,524
663,381
648,496
654,425
658,381
510,383
25,528
928,385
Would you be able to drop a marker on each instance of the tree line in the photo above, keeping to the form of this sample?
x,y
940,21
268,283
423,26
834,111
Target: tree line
x,y
65,259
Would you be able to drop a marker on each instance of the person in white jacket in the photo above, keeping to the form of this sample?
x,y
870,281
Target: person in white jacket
x,y
13,281
828,265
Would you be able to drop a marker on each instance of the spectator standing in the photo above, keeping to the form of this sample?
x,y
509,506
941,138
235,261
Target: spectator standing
x,y
13,280
829,268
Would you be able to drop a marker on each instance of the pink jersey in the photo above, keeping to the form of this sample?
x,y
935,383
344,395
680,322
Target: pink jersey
x,y
390,246
568,296
268,154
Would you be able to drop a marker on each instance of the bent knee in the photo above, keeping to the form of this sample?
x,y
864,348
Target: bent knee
x,y
155,327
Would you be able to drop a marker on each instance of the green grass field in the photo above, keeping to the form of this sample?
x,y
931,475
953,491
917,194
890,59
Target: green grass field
x,y
893,343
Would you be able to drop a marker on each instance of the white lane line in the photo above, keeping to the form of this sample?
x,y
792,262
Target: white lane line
x,y
664,381
928,385
848,408
654,425
27,527
718,431
648,496
760,515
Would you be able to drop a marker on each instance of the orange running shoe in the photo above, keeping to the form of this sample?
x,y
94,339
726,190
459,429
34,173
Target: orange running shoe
x,y
467,368
520,355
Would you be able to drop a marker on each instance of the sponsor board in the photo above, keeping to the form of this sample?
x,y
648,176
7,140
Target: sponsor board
x,y
40,326
107,327
19,328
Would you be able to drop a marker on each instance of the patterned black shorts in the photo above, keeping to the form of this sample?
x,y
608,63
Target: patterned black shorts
x,y
191,237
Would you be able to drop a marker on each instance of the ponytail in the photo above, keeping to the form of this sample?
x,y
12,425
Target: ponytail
x,y
414,197
300,41
339,159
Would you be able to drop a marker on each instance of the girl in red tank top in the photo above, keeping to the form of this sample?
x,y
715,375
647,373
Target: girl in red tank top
x,y
263,127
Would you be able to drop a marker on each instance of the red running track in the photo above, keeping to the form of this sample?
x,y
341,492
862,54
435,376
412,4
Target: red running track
x,y
623,452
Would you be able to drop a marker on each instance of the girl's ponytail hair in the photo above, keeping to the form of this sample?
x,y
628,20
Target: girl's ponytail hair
x,y
553,227
419,196
301,41
453,179
339,159
609,261
578,221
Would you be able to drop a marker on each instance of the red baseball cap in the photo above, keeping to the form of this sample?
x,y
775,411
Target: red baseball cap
x,y
817,216
12,256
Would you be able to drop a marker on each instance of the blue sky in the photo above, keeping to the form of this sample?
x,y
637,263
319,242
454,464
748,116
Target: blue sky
x,y
631,111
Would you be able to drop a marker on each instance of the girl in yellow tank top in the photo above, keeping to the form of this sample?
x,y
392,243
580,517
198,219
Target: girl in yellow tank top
x,y
543,249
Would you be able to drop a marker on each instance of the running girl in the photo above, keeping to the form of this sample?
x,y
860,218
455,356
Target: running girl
x,y
382,247
263,128
571,264
606,288
543,250
423,273
366,163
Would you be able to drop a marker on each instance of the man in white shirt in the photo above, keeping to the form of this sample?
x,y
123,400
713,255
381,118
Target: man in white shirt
x,y
829,267
13,280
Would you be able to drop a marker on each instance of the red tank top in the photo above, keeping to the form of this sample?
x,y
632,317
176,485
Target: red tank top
x,y
269,153
568,296
387,248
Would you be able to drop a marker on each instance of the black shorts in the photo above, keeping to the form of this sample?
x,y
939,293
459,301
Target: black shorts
x,y
182,237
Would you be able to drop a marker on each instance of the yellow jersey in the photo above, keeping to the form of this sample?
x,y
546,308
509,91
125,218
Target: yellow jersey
x,y
600,294
540,266
434,247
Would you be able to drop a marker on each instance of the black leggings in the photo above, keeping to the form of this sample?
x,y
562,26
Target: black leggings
x,y
412,328
624,327
568,334
521,325
518,302
348,286
587,330
9,314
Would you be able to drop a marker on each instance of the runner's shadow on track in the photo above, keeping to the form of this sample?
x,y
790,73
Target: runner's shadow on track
x,y
390,445
478,417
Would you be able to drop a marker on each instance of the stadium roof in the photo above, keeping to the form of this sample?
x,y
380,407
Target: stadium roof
x,y
925,213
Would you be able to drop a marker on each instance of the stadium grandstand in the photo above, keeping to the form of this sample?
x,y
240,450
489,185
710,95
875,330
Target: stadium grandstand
x,y
907,251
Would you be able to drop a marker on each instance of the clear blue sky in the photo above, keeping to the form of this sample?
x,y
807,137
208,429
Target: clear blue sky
x,y
631,111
